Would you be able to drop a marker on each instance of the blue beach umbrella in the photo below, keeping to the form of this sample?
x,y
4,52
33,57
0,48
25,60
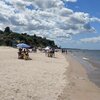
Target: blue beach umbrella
x,y
23,45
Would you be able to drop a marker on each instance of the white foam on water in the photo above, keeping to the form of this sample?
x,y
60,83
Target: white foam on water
x,y
84,58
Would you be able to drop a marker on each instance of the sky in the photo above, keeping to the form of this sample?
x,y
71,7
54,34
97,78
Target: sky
x,y
70,23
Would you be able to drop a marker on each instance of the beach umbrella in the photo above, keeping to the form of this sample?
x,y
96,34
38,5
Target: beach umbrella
x,y
23,45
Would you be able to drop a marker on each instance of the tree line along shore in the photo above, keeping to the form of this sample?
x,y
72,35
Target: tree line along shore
x,y
10,38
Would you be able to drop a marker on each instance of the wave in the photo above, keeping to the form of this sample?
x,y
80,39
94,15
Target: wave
x,y
84,58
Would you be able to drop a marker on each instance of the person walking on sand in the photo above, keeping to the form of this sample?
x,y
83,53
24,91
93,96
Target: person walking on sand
x,y
66,51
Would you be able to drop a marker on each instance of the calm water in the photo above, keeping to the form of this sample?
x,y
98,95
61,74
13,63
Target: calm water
x,y
91,60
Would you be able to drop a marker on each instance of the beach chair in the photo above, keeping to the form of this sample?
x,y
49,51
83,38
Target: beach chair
x,y
51,53
26,56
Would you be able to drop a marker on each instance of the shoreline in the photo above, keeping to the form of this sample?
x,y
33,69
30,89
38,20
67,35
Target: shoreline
x,y
43,78
79,87
90,61
92,69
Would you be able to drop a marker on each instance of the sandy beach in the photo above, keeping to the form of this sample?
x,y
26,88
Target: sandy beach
x,y
43,78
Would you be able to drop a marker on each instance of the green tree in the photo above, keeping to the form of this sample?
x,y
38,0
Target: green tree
x,y
7,30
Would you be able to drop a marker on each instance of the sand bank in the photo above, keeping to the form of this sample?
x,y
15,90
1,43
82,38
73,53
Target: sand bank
x,y
41,78
79,86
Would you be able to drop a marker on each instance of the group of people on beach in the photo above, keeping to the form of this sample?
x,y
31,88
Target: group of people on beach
x,y
50,52
23,54
64,51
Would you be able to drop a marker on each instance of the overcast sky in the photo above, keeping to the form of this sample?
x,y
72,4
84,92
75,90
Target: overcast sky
x,y
71,23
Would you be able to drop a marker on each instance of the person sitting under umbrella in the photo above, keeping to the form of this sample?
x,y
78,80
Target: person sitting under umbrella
x,y
20,54
26,54
23,54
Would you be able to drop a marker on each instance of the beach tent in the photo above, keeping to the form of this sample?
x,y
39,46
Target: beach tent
x,y
23,45
47,48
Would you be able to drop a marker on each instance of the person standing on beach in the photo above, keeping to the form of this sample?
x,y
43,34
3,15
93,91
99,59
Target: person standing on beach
x,y
66,51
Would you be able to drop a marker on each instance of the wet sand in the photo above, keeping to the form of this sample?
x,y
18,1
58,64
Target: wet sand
x,y
79,86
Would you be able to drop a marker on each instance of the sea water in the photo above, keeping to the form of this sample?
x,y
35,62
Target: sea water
x,y
91,61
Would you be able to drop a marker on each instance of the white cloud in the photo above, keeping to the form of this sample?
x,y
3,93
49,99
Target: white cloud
x,y
94,19
71,0
91,40
48,18
48,3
